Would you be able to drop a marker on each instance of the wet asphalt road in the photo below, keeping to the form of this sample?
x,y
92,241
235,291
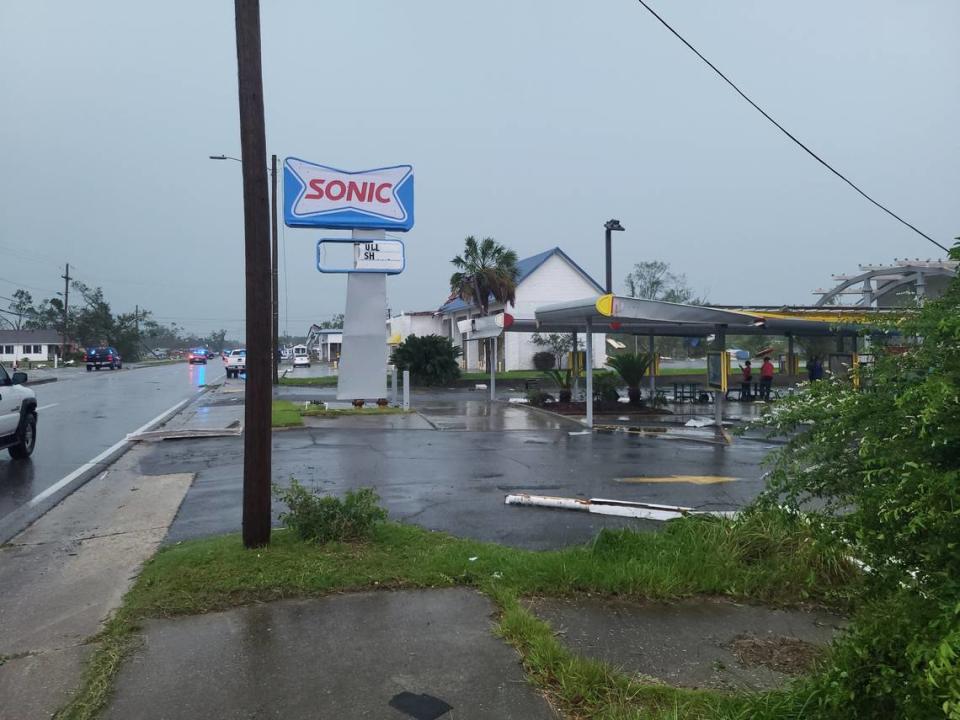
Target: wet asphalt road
x,y
83,414
455,481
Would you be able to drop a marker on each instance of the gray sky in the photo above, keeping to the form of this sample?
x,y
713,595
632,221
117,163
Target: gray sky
x,y
531,122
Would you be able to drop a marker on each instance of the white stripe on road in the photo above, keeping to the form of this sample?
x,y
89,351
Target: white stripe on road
x,y
47,407
99,458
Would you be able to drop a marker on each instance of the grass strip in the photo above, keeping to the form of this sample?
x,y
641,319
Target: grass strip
x,y
284,413
760,558
324,381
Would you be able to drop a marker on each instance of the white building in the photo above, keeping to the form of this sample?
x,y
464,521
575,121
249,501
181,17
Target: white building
x,y
546,278
426,322
33,345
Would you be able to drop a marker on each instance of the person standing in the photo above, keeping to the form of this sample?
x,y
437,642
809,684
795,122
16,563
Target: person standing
x,y
766,378
745,381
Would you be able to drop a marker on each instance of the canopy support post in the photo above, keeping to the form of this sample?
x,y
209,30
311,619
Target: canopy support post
x,y
589,397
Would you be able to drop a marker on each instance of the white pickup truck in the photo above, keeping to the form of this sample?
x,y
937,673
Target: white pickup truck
x,y
18,415
235,363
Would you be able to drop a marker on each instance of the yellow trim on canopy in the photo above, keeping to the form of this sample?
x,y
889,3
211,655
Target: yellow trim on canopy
x,y
394,339
605,305
827,317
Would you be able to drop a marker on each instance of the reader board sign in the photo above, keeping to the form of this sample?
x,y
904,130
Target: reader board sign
x,y
369,256
319,196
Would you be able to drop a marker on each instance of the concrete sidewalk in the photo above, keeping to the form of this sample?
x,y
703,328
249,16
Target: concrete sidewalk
x,y
61,578
405,654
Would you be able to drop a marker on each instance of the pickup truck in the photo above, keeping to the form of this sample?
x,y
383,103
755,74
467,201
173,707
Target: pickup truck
x,y
18,415
235,363
103,357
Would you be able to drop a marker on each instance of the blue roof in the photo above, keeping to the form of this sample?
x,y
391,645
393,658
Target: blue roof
x,y
525,268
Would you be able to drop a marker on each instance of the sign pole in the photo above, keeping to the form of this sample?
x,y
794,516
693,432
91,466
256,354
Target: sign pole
x,y
257,394
493,369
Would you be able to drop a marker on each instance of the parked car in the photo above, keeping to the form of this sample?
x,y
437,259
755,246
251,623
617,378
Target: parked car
x,y
18,415
100,357
235,363
197,355
301,358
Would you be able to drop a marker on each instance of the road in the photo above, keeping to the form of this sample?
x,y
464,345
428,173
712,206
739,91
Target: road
x,y
84,414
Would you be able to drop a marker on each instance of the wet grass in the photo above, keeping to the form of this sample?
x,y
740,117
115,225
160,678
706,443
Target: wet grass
x,y
284,413
761,558
325,381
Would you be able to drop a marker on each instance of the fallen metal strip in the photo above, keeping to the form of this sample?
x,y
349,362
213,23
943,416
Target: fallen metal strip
x,y
620,508
185,434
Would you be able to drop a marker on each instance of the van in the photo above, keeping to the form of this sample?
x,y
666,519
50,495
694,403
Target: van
x,y
301,358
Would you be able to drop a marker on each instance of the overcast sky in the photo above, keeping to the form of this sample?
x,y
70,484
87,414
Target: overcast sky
x,y
532,122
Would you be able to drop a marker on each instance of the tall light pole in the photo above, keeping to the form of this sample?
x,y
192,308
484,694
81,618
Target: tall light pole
x,y
610,226
273,262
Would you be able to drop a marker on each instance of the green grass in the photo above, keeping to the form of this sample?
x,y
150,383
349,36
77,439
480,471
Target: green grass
x,y
285,414
762,558
325,381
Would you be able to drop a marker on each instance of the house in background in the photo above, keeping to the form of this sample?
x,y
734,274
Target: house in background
x,y
423,322
546,278
33,345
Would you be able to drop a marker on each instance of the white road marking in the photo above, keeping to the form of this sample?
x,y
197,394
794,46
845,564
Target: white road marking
x,y
47,407
99,458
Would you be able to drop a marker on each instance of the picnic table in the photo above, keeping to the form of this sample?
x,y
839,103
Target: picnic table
x,y
686,391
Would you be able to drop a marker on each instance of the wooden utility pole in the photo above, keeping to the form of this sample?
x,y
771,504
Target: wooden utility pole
x,y
66,313
273,270
256,223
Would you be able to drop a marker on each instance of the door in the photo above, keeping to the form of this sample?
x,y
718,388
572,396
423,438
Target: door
x,y
9,404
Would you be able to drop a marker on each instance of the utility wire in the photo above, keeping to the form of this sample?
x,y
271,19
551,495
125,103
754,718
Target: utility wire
x,y
785,131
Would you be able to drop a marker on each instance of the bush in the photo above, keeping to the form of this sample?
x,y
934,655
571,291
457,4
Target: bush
x,y
605,386
431,359
539,398
883,467
325,518
544,360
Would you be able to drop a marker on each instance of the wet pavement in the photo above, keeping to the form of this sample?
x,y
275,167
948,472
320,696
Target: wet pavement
x,y
403,654
84,414
699,643
455,479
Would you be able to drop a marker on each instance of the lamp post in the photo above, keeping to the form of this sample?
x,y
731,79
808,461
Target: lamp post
x,y
610,226
273,262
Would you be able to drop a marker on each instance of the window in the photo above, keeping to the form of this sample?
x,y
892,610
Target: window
x,y
8,349
38,349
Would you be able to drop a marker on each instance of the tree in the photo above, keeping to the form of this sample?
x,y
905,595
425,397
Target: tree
x,y
218,339
484,270
631,367
334,323
653,280
21,309
431,359
558,343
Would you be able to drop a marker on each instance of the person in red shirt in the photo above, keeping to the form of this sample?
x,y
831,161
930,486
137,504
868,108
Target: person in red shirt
x,y
766,378
745,393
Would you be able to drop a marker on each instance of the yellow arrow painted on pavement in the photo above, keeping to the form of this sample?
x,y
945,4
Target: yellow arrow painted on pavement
x,y
695,479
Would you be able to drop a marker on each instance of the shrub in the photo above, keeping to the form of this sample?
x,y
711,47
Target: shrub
x,y
431,359
539,398
883,467
325,518
544,360
605,387
631,367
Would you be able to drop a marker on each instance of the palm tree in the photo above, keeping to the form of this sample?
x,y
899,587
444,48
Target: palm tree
x,y
485,269
631,367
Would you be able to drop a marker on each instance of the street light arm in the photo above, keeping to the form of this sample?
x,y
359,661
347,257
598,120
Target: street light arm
x,y
224,157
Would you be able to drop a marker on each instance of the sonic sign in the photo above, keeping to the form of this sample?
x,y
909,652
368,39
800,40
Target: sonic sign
x,y
318,196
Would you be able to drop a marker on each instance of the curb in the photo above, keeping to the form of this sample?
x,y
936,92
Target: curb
x,y
41,381
21,518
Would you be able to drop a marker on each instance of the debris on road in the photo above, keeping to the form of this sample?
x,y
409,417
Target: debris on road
x,y
621,508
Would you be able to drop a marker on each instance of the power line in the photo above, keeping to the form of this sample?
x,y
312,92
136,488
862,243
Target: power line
x,y
785,131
